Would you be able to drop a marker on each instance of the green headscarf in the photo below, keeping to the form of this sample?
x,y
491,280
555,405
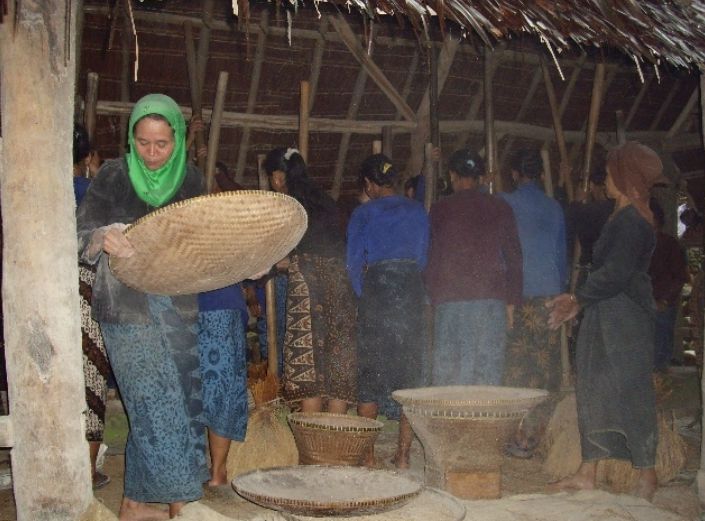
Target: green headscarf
x,y
156,187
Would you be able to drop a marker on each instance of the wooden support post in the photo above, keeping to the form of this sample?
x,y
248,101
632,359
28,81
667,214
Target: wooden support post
x,y
50,471
252,98
593,118
214,135
89,114
547,178
270,291
490,139
700,480
303,120
195,90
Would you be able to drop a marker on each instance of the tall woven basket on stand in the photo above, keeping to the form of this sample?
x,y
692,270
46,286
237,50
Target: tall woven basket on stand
x,y
333,439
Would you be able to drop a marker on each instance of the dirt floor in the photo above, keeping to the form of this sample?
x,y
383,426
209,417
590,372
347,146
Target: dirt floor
x,y
519,477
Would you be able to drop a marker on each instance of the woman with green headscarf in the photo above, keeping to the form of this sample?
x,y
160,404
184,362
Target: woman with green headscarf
x,y
151,340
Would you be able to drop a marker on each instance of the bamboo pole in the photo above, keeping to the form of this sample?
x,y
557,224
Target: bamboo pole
x,y
252,97
490,137
89,113
621,127
124,76
214,135
204,39
195,90
429,178
353,107
593,118
547,179
316,63
565,180
270,291
304,120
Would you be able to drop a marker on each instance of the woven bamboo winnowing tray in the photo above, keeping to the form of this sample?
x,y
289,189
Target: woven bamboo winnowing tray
x,y
332,439
470,401
314,490
210,242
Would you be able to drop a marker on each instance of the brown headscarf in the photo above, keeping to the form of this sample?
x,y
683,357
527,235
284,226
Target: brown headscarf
x,y
635,168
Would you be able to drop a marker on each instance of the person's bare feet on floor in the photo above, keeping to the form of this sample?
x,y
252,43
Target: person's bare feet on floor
x,y
583,479
401,459
136,511
218,479
647,484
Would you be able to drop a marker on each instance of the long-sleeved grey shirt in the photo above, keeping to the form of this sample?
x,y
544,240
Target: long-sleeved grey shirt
x,y
112,199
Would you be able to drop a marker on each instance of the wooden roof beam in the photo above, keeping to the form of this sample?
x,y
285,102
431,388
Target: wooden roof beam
x,y
664,106
252,97
684,114
352,43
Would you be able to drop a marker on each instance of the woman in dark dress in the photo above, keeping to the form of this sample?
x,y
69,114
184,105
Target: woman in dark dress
x,y
387,247
615,349
319,345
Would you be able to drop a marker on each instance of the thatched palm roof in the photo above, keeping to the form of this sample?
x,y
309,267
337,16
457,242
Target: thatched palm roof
x,y
648,30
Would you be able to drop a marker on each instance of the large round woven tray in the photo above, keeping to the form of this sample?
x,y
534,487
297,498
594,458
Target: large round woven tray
x,y
431,505
332,439
210,242
470,401
314,490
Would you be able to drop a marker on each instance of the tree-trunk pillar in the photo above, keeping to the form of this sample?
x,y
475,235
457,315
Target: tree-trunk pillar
x,y
51,474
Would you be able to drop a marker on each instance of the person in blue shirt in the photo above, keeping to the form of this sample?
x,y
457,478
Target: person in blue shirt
x,y
222,345
386,252
533,351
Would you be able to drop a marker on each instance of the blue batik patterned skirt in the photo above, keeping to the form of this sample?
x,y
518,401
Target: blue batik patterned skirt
x,y
157,371
221,348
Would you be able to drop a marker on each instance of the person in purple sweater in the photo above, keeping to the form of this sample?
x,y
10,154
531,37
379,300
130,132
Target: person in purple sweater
x,y
473,277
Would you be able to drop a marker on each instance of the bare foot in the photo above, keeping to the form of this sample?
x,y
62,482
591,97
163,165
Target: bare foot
x,y
572,484
401,459
218,479
647,484
175,509
135,511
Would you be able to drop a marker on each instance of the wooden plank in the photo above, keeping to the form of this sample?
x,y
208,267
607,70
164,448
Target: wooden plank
x,y
475,126
252,98
351,42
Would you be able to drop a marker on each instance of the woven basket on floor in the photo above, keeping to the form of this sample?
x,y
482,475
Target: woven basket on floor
x,y
210,242
333,439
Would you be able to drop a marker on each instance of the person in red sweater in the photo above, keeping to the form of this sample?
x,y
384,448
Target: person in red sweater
x,y
473,277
